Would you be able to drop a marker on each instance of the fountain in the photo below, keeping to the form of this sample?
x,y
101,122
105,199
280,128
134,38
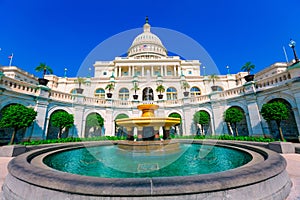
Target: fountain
x,y
148,138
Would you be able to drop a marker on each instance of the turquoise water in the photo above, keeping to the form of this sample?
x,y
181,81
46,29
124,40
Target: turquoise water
x,y
111,162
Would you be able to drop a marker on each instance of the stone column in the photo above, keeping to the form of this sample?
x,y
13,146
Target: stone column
x,y
116,71
175,72
165,69
152,71
187,118
254,120
39,126
218,108
161,71
78,120
133,72
109,123
129,71
143,71
120,71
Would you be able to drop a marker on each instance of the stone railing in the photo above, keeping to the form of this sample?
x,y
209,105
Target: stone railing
x,y
94,101
233,92
122,103
18,86
60,96
200,99
173,102
272,81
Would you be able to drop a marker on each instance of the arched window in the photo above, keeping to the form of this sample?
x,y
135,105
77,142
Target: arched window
x,y
171,93
123,94
73,91
195,91
100,93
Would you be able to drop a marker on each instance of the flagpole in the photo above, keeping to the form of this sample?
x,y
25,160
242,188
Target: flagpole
x,y
286,57
10,61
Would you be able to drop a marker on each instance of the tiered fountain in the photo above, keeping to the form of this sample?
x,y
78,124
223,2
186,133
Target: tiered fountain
x,y
148,126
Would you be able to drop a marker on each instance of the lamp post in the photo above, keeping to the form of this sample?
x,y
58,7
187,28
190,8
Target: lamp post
x,y
228,72
292,44
204,71
65,73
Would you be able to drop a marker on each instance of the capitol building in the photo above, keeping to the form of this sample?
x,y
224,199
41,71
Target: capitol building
x,y
118,86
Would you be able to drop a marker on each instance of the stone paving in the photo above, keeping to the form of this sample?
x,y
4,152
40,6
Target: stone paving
x,y
293,169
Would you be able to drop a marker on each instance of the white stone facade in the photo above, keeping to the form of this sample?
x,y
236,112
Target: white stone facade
x,y
148,65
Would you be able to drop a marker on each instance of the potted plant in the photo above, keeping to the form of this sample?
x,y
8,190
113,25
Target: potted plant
x,y
213,78
185,85
80,81
161,89
248,67
135,88
110,87
45,69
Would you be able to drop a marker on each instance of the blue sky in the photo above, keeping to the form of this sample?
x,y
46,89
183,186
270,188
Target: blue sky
x,y
62,33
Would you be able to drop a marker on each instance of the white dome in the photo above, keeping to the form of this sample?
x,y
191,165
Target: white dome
x,y
147,43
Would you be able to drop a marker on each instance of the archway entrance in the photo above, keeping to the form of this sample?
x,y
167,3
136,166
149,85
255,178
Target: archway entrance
x,y
289,126
148,94
120,131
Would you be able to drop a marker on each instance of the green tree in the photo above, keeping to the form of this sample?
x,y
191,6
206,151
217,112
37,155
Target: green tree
x,y
185,85
247,67
62,119
110,87
44,68
213,78
80,81
160,88
233,116
135,87
201,117
17,117
276,111
94,120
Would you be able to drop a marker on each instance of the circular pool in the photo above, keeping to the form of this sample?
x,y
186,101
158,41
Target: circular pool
x,y
263,176
113,162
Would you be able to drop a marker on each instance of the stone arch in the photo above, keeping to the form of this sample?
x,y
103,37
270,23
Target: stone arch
x,y
205,129
92,128
176,130
289,126
120,131
287,97
242,126
6,133
52,132
148,94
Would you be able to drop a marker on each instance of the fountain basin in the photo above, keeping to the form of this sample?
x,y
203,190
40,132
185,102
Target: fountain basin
x,y
263,178
155,122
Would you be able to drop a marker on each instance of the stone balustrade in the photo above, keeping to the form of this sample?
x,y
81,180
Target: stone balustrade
x,y
272,81
18,86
